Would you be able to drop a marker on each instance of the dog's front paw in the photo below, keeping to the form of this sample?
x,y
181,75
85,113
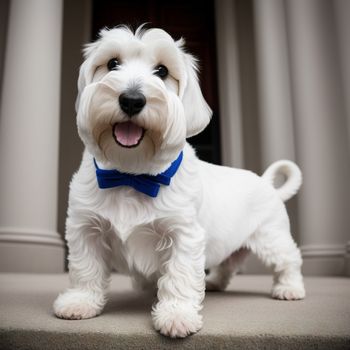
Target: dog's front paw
x,y
176,320
288,291
77,305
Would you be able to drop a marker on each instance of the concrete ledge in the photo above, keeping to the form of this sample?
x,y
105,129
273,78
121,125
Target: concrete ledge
x,y
242,317
32,257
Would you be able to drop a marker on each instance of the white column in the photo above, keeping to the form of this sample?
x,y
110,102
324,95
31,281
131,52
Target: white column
x,y
342,8
276,119
321,135
229,85
274,91
29,131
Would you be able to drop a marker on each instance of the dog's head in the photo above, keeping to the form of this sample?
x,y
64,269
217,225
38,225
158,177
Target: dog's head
x,y
138,99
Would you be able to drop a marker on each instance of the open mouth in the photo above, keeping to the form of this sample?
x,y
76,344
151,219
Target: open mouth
x,y
128,134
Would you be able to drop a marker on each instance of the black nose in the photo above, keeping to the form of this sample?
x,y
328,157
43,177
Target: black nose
x,y
132,102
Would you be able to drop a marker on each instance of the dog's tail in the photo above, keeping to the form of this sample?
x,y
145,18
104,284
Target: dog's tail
x,y
292,174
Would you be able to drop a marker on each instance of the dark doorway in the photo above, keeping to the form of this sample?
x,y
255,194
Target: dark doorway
x,y
193,20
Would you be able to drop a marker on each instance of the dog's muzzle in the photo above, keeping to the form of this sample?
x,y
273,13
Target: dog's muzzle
x,y
129,134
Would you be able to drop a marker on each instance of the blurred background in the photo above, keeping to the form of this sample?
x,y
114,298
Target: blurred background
x,y
275,72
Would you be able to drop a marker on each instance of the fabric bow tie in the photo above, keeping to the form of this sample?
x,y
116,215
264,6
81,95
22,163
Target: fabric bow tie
x,y
147,184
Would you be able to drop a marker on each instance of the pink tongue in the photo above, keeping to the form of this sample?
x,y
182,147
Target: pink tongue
x,y
128,134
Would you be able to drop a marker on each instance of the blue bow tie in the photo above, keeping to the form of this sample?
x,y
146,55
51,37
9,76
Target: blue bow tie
x,y
147,184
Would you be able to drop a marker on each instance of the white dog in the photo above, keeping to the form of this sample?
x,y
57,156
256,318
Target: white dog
x,y
142,201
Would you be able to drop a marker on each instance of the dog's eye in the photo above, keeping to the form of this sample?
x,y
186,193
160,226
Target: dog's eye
x,y
113,64
161,71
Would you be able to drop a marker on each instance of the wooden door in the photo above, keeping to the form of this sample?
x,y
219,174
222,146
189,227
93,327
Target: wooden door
x,y
191,19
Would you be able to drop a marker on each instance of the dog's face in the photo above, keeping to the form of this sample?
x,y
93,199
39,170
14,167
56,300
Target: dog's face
x,y
138,99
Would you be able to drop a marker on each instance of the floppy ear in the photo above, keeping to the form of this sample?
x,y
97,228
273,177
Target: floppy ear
x,y
85,76
197,111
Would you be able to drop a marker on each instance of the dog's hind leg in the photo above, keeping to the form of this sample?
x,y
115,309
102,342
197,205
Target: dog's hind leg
x,y
277,248
143,284
219,276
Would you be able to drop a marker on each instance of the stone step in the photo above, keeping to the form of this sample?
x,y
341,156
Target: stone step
x,y
243,317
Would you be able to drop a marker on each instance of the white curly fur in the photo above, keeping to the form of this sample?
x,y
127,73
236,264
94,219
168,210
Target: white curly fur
x,y
209,216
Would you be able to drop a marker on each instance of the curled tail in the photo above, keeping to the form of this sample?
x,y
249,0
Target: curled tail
x,y
292,174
